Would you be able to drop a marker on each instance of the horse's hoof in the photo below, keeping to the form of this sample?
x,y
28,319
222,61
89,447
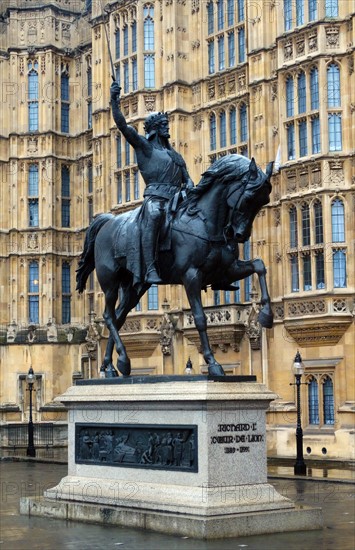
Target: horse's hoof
x,y
216,370
124,367
110,371
266,319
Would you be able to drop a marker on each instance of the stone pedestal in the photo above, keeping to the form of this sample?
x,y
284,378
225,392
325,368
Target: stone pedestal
x,y
180,455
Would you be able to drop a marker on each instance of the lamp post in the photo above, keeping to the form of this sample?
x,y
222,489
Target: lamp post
x,y
31,451
189,368
298,369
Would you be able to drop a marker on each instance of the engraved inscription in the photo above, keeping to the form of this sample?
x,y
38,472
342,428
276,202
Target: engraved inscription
x,y
242,436
137,446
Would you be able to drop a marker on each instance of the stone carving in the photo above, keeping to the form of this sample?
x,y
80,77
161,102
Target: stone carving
x,y
291,183
312,41
288,50
12,330
161,447
167,331
310,307
277,216
279,312
221,87
340,305
211,90
274,89
32,241
300,46
52,332
332,37
149,102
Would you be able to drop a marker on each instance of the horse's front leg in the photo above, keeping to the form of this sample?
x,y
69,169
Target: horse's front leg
x,y
110,319
244,268
192,283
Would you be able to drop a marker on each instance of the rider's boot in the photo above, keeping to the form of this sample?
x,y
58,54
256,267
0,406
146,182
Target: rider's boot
x,y
149,247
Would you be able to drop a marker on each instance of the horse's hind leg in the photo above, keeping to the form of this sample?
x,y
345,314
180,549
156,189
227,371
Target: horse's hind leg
x,y
110,319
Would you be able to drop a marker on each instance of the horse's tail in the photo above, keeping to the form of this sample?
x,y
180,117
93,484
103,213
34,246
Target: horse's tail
x,y
87,259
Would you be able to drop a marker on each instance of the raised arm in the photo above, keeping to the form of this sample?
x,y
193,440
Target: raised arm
x,y
129,132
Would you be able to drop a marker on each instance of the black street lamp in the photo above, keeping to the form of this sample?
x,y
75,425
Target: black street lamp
x,y
298,369
31,451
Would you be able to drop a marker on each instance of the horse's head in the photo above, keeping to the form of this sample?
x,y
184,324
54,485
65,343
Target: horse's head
x,y
245,199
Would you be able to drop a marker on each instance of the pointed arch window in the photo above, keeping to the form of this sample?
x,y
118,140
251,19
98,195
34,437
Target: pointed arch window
x,y
333,85
33,96
134,36
338,221
213,132
222,129
33,292
318,222
291,149
301,92
293,227
290,109
149,71
243,121
314,88
328,401
148,27
313,402
64,95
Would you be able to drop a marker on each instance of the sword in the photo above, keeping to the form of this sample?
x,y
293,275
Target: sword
x,y
113,76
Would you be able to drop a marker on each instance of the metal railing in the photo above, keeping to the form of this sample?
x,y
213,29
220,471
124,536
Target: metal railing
x,y
17,435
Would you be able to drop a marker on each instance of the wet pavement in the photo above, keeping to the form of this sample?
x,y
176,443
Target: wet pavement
x,y
24,478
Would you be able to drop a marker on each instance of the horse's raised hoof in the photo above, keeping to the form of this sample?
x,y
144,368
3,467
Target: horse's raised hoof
x,y
216,370
266,319
124,367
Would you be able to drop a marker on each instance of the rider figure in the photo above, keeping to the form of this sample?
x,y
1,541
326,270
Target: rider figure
x,y
163,170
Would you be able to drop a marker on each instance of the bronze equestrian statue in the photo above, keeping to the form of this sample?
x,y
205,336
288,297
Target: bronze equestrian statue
x,y
164,173
195,244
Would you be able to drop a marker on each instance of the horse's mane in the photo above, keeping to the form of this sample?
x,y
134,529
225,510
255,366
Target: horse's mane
x,y
224,170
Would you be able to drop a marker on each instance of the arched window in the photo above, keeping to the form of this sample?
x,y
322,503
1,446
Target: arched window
x,y
313,401
33,96
328,401
213,140
333,85
301,92
243,122
314,88
293,227
339,269
318,222
65,197
233,126
222,129
210,18
221,53
148,27
290,110
306,226
33,292
66,296
338,221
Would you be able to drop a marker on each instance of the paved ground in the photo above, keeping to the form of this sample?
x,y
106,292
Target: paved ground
x,y
31,478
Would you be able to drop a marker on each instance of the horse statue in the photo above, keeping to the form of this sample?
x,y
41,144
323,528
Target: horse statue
x,y
199,248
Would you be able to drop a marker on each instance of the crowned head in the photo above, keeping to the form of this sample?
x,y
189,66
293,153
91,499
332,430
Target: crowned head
x,y
156,123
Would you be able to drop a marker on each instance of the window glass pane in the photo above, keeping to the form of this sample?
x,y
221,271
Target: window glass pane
x,y
328,402
89,77
240,10
231,49
128,186
314,89
211,63
291,149
301,92
232,126
307,273
89,114
66,310
65,212
333,86
221,54
117,43
119,188
66,278
33,180
153,297
290,110
331,8
212,132
338,222
230,12
247,280
293,228
241,45
302,128
318,222
287,14
210,18
125,77
65,182
65,117
220,14
315,127
216,298
295,284
127,153
33,307
119,150
299,12
33,213
33,85
134,74
223,129
90,178
339,269
312,10
33,116
313,402
136,184
125,40
64,88
243,123
149,71
306,227
33,279
149,34
335,132
320,277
